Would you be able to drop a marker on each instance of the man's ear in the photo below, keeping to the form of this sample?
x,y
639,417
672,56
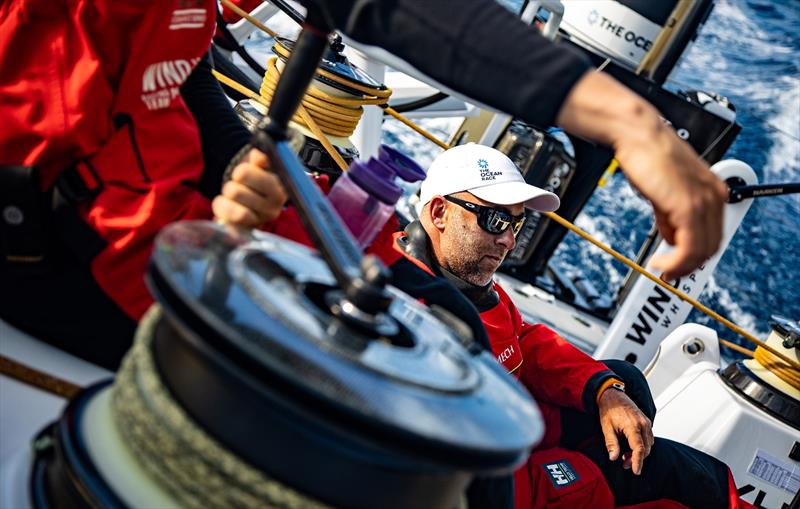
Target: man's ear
x,y
437,211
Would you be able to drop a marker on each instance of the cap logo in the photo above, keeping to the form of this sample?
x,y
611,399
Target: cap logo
x,y
486,173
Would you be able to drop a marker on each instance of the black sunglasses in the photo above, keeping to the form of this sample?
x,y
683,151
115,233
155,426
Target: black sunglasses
x,y
492,220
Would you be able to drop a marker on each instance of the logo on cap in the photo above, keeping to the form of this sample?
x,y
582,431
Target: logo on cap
x,y
486,174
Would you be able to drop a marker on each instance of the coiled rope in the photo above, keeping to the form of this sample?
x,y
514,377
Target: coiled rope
x,y
336,116
777,367
322,113
192,466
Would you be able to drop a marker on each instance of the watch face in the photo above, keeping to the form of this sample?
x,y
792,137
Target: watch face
x,y
618,386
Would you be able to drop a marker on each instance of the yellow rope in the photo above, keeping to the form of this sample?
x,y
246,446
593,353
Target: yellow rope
x,y
302,113
235,8
414,126
734,346
238,87
563,222
777,367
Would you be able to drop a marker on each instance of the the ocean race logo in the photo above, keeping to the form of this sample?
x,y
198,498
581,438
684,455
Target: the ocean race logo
x,y
617,30
161,81
486,173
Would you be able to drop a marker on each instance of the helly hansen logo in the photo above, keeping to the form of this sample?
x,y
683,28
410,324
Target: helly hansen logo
x,y
486,173
561,473
161,81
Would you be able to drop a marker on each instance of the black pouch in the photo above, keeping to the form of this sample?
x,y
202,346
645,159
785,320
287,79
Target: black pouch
x,y
24,218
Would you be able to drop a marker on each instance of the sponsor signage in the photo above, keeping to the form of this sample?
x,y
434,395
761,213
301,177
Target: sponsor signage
x,y
616,30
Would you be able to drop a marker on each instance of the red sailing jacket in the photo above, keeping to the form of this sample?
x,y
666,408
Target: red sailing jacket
x,y
555,372
98,83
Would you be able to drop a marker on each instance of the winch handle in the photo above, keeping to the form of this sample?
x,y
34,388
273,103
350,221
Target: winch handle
x,y
289,11
362,279
738,191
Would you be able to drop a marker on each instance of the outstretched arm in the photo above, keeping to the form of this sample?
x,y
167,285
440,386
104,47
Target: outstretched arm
x,y
686,196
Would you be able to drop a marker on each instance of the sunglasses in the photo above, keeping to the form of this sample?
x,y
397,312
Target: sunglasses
x,y
495,221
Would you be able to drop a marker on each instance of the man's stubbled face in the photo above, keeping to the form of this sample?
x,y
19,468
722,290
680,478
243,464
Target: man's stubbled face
x,y
467,250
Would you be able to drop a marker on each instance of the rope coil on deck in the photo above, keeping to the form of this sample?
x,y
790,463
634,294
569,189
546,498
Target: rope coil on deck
x,y
196,469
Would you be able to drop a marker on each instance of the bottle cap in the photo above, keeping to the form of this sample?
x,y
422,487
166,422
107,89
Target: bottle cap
x,y
405,167
377,179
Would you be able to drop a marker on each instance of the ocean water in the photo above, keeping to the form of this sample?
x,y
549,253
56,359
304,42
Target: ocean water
x,y
748,51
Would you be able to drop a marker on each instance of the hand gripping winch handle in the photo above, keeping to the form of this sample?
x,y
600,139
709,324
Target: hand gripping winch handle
x,y
362,278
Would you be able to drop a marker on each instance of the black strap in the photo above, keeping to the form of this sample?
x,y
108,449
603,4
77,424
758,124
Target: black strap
x,y
72,186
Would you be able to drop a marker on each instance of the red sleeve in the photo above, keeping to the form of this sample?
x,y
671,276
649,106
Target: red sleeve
x,y
553,369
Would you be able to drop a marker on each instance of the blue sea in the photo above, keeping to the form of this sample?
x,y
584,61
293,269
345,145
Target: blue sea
x,y
748,51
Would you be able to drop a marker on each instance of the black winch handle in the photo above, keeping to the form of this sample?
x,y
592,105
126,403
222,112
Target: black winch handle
x,y
363,279
289,11
738,191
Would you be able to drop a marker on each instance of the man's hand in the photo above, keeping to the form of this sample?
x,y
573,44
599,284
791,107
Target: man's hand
x,y
686,196
619,416
253,196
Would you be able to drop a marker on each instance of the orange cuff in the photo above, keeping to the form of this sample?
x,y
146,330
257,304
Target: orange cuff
x,y
608,383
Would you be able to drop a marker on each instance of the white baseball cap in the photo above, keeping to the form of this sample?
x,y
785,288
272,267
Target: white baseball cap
x,y
488,174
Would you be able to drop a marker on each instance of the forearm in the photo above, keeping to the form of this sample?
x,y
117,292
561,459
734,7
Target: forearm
x,y
222,134
601,109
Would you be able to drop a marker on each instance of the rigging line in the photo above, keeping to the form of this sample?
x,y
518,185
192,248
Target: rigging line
x,y
737,348
603,65
382,94
777,368
246,15
302,114
632,265
415,127
36,378
716,141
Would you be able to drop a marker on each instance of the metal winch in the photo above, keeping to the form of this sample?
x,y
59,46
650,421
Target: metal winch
x,y
254,381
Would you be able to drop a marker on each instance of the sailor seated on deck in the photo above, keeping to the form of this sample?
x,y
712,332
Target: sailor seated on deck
x,y
598,450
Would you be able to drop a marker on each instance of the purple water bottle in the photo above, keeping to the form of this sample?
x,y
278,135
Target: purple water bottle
x,y
365,197
405,167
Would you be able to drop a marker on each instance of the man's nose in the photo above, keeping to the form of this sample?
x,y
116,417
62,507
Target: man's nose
x,y
507,239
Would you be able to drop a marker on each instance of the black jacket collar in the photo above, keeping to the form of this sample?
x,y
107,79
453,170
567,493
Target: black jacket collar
x,y
417,245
